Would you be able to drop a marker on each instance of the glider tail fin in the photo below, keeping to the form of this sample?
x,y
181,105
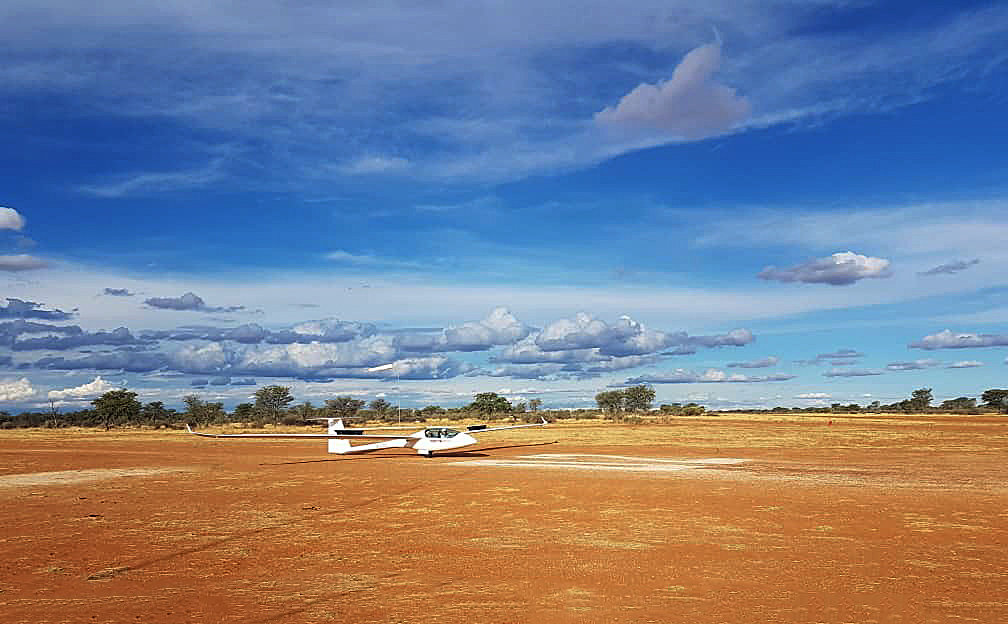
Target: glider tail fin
x,y
337,445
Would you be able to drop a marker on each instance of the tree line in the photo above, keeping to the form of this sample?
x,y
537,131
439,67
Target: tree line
x,y
274,405
919,402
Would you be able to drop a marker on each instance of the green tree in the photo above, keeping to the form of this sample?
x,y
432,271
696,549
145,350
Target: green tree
x,y
271,401
489,403
244,412
610,401
921,399
194,408
154,413
638,398
344,407
380,407
303,412
996,398
199,412
431,411
534,405
692,409
959,403
214,413
117,407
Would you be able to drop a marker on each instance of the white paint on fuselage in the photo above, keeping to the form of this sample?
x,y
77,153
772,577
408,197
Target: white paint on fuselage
x,y
426,445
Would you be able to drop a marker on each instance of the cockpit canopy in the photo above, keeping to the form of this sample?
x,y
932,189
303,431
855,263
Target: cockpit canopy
x,y
440,432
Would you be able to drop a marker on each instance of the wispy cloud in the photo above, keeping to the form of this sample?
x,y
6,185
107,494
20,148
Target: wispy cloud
x,y
370,260
118,292
966,364
911,366
189,302
473,61
148,183
21,262
840,357
711,375
77,340
851,372
370,165
761,363
923,228
951,267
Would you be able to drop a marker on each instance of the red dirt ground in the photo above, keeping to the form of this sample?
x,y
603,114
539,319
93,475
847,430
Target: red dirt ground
x,y
865,520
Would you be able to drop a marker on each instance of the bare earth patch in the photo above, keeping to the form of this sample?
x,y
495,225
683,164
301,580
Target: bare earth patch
x,y
874,519
70,477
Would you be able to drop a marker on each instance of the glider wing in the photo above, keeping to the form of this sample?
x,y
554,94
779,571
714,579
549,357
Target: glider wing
x,y
482,428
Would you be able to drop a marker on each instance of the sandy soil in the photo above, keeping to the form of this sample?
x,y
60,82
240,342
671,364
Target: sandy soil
x,y
881,519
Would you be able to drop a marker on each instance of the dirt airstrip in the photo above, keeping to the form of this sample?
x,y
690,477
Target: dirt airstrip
x,y
722,519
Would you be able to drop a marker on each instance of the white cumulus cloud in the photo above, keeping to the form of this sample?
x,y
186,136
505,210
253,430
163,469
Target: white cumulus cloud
x,y
839,269
946,339
500,327
91,389
689,105
16,390
628,337
10,219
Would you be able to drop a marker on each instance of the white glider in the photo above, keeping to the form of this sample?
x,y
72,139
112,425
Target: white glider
x,y
426,441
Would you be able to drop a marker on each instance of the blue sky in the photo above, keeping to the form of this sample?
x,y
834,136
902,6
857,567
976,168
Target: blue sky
x,y
745,204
